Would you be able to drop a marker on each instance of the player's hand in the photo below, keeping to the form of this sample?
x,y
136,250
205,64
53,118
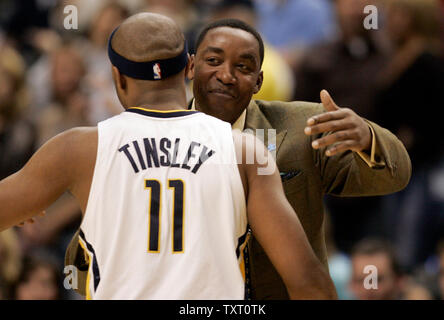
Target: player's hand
x,y
348,130
32,220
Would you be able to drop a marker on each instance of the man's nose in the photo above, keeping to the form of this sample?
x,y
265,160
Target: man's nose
x,y
225,74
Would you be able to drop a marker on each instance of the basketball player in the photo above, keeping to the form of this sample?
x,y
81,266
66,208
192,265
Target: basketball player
x,y
164,202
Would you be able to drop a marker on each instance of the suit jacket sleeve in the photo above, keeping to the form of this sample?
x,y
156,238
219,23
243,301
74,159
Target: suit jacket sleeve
x,y
348,175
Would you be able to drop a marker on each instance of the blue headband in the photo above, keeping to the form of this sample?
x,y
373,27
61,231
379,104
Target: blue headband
x,y
151,70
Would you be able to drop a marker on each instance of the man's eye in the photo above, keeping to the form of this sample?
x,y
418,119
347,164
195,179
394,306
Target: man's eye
x,y
243,67
213,60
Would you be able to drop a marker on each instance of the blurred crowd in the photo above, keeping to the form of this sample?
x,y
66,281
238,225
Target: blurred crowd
x,y
53,78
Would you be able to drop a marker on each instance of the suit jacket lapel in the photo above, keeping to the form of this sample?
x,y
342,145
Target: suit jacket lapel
x,y
256,120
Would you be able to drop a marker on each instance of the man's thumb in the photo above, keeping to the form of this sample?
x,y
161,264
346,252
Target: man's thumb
x,y
328,102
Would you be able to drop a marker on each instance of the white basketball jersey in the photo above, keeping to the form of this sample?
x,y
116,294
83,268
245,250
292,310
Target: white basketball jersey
x,y
166,214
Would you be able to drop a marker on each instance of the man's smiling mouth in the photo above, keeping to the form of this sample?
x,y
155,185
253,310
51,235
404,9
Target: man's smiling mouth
x,y
222,93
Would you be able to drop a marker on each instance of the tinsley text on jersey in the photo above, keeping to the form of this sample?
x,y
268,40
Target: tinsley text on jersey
x,y
163,153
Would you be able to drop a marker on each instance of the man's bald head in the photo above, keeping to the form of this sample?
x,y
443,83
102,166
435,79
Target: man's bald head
x,y
147,37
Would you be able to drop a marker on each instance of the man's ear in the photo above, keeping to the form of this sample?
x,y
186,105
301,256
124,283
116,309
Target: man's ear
x,y
119,79
260,80
190,67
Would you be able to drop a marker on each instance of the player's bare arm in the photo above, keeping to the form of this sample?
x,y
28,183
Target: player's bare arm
x,y
277,227
64,163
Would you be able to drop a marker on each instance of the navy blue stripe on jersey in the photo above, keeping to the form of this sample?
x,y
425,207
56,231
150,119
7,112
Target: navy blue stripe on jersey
x,y
95,266
154,215
170,114
178,186
247,287
240,242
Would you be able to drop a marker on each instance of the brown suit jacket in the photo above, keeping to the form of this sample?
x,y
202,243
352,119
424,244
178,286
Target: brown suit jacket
x,y
307,175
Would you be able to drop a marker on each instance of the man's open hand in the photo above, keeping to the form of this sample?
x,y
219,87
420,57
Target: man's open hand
x,y
349,131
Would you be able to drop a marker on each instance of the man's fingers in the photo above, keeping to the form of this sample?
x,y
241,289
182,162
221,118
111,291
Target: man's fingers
x,y
340,147
30,220
331,139
328,102
327,116
21,224
333,126
42,214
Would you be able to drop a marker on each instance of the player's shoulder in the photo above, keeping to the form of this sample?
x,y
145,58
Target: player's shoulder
x,y
283,110
80,133
75,139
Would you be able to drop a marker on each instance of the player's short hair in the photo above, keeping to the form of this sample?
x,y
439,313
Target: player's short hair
x,y
236,24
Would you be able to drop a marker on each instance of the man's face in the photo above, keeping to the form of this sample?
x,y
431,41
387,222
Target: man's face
x,y
388,282
351,15
226,72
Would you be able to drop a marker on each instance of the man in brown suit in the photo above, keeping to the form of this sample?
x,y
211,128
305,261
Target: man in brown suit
x,y
317,152
320,148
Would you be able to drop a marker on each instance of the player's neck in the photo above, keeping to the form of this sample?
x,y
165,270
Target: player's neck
x,y
161,100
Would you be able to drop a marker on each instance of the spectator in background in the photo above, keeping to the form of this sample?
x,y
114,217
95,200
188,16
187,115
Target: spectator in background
x,y
3,290
10,260
98,73
38,280
181,11
69,105
442,21
339,263
23,20
347,65
93,50
17,135
414,77
293,25
278,80
391,283
441,269
409,98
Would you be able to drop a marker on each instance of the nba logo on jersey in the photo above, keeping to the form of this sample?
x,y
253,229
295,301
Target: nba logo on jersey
x,y
157,72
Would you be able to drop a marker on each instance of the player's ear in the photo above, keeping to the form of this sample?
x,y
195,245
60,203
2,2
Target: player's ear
x,y
190,67
119,79
260,80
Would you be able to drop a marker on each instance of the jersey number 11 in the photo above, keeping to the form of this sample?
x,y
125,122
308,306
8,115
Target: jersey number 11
x,y
154,214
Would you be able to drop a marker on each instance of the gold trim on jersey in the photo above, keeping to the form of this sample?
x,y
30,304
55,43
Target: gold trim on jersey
x,y
88,277
241,259
162,111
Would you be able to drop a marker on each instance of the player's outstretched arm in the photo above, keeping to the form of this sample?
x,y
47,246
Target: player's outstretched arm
x,y
277,227
56,167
